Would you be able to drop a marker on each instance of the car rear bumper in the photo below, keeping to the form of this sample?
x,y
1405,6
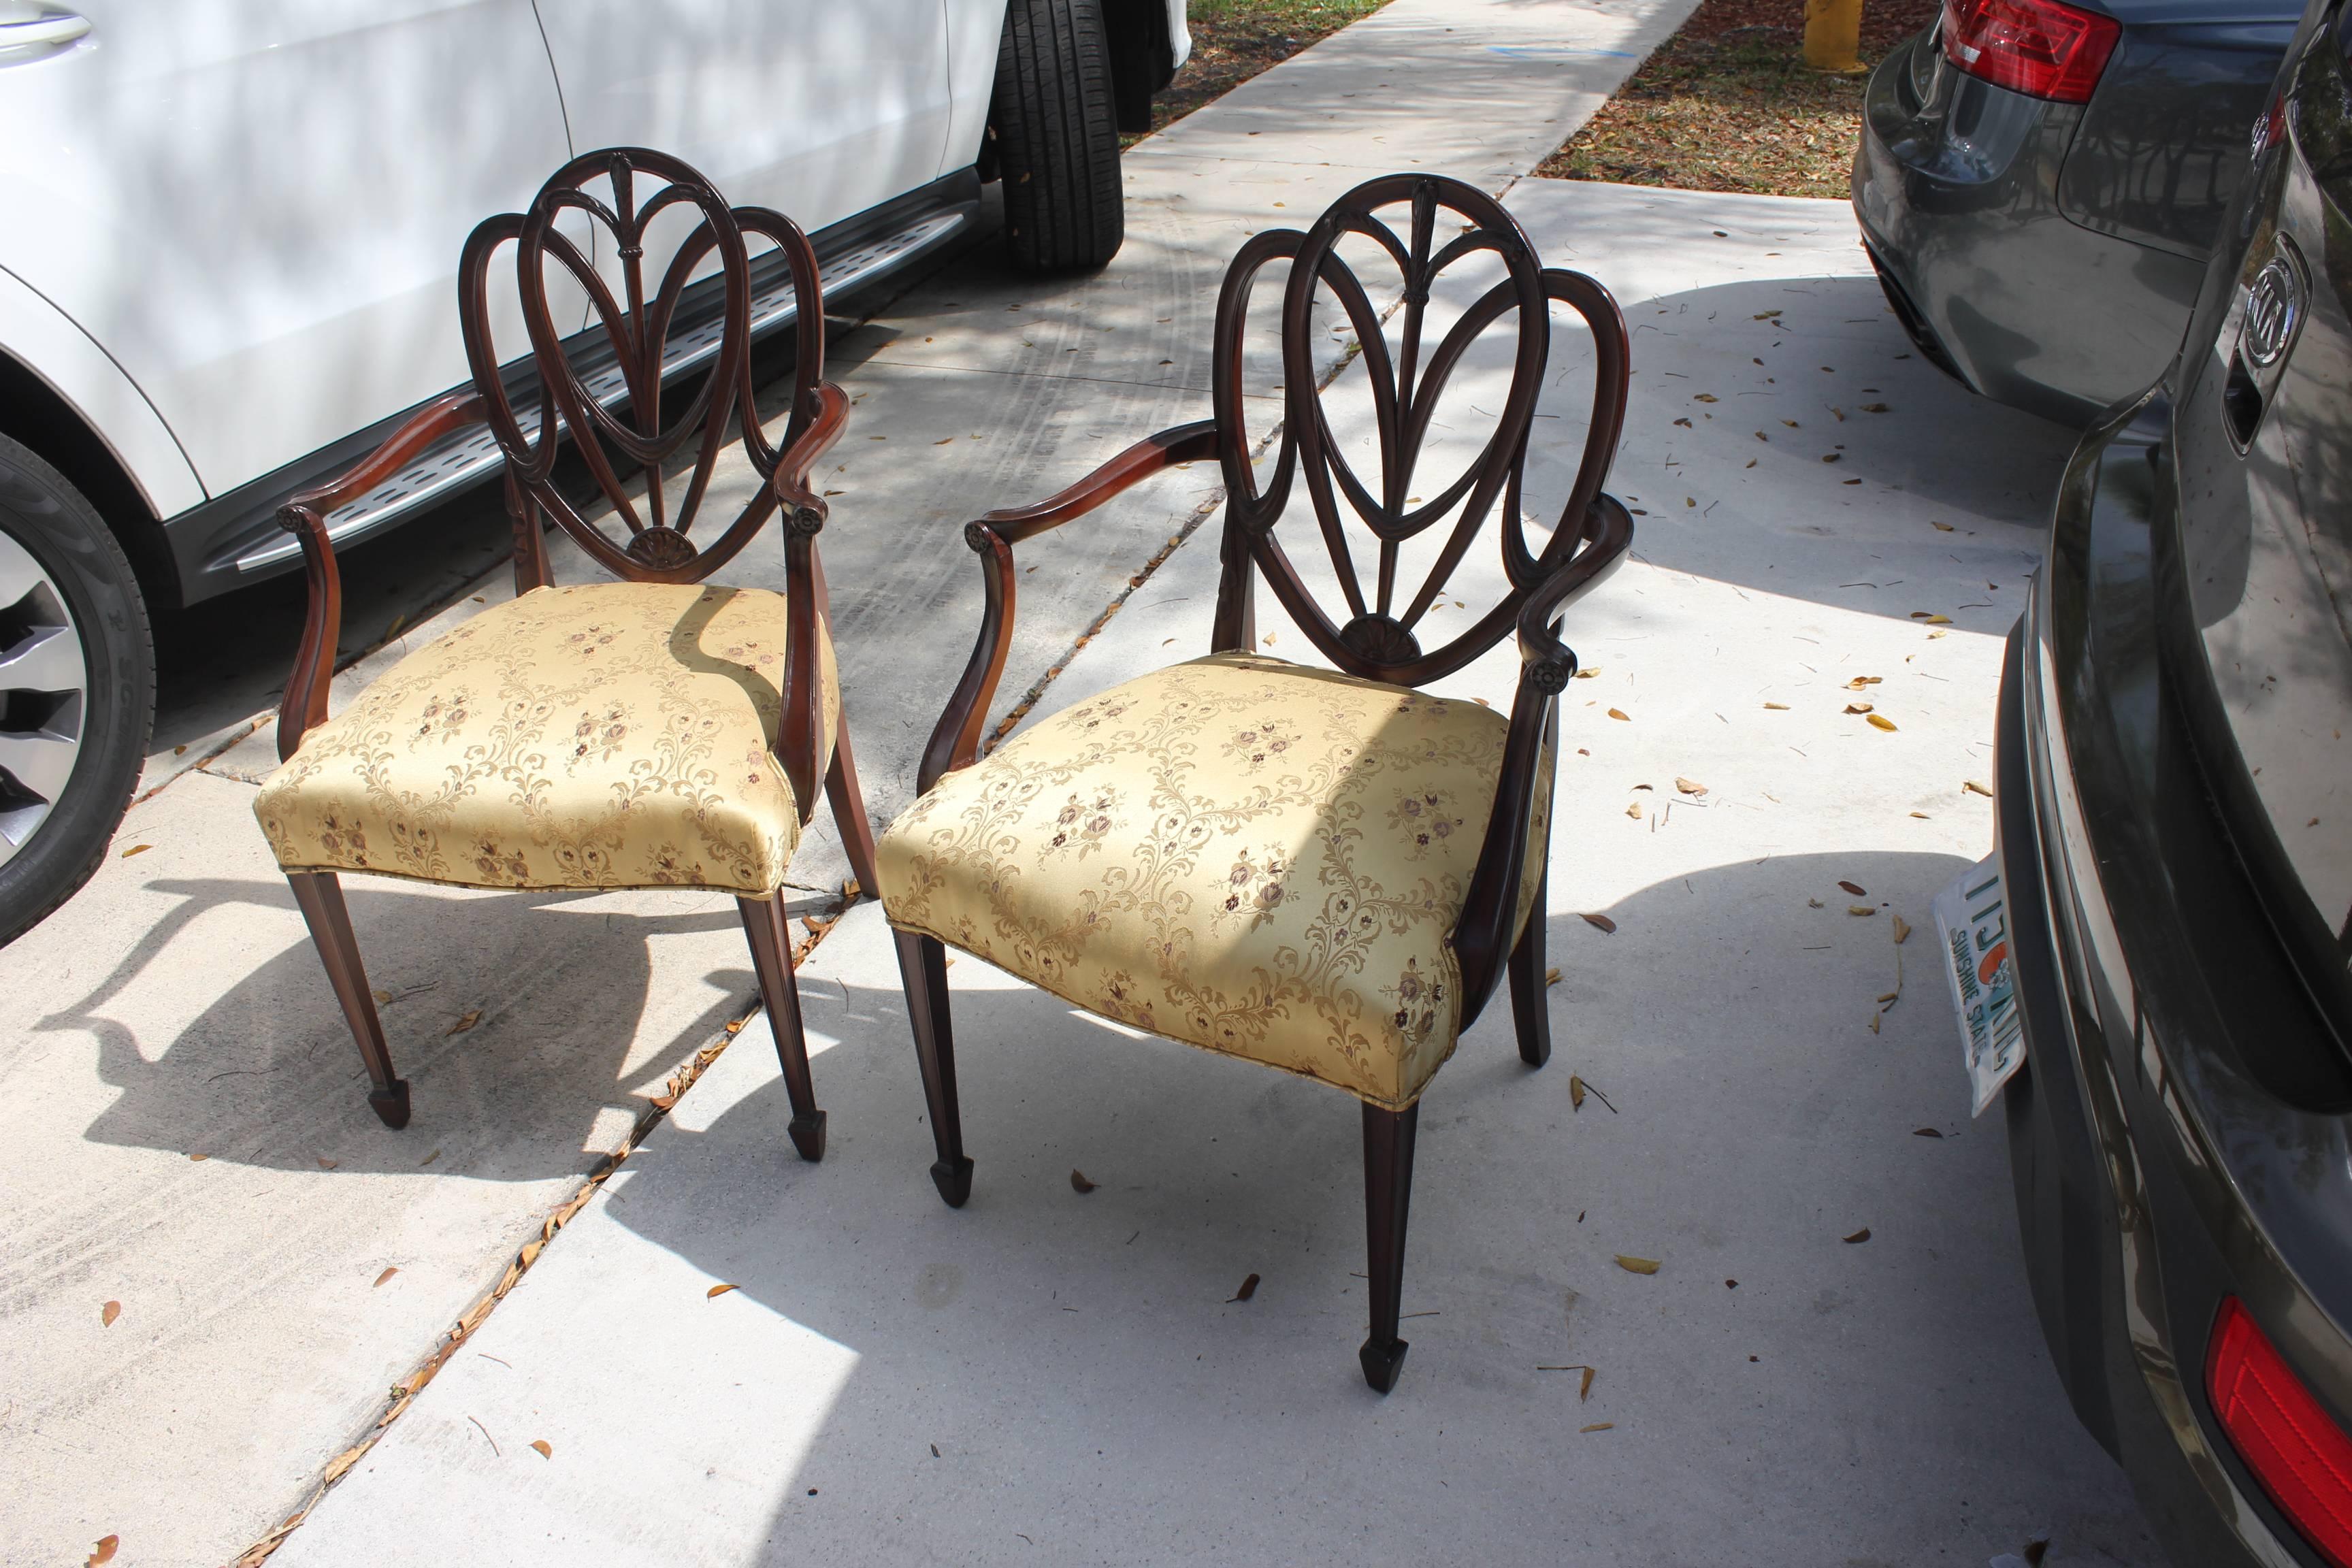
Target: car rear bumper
x,y
1994,281
2137,1220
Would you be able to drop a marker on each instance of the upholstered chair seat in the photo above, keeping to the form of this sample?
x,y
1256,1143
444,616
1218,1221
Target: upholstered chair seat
x,y
1242,854
603,735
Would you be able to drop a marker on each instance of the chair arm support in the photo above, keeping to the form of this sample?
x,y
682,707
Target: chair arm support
x,y
800,731
1483,936
304,515
955,742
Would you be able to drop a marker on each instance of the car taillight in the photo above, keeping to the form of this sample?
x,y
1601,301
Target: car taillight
x,y
2038,48
2298,1453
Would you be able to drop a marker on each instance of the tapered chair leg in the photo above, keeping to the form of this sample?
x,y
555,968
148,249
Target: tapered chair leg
x,y
321,897
1388,1193
848,803
1530,1010
923,964
764,923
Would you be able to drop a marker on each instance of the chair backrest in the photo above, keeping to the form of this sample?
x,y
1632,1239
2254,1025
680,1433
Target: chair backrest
x,y
1379,635
613,413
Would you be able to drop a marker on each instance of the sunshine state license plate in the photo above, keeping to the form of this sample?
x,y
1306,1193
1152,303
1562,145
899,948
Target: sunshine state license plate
x,y
1973,916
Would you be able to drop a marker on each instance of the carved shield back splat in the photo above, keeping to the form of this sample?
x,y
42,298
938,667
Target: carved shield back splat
x,y
621,193
1377,629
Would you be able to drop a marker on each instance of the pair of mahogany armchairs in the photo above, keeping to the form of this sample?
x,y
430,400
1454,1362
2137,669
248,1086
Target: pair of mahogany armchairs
x,y
1325,870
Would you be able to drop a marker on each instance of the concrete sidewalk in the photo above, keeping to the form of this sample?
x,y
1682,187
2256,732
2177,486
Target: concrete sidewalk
x,y
1050,1377
198,1148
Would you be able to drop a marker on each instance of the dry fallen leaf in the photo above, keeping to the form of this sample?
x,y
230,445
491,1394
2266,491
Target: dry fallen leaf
x,y
1925,1132
1635,811
1616,714
1588,672
1269,639
1249,1288
465,1022
1551,977
103,1552
1859,681
547,1450
387,1274
1873,1022
343,1461
1858,1237
1857,707
1705,397
1598,1426
1575,1092
1862,908
324,1164
1637,1265
108,1313
382,998
1078,1183
1857,890
1813,904
1881,721
716,1291
1902,930
1939,527
1601,923
1690,786
134,849
1972,787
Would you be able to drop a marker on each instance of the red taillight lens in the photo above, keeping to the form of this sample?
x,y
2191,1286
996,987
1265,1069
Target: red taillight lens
x,y
2038,48
2298,1453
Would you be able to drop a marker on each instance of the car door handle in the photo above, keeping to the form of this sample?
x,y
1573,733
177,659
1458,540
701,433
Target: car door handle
x,y
52,28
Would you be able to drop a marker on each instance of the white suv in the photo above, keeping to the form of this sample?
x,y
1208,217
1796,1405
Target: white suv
x,y
229,266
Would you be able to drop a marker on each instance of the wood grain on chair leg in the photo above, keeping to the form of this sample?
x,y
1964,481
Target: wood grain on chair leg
x,y
1388,1193
321,897
923,963
848,803
1530,1009
764,922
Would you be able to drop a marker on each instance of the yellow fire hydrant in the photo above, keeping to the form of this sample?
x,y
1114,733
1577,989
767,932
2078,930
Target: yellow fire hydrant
x,y
1832,36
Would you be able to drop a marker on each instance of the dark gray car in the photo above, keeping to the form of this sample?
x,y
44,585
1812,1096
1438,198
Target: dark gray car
x,y
2038,184
2174,759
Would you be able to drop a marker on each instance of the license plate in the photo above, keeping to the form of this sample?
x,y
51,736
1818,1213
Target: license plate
x,y
1972,915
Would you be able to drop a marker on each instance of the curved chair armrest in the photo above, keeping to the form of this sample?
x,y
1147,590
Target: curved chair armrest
x,y
304,515
792,483
1483,936
955,742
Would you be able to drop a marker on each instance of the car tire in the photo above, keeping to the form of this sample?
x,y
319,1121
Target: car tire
x,y
1055,127
77,688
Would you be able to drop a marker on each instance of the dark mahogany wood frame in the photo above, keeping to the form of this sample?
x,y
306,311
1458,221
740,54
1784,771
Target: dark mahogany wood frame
x,y
1378,640
722,409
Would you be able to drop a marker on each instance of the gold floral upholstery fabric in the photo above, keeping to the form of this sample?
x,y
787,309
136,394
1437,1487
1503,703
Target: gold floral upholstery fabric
x,y
606,735
1239,853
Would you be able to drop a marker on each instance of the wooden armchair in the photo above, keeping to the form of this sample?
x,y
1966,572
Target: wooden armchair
x,y
652,731
1324,872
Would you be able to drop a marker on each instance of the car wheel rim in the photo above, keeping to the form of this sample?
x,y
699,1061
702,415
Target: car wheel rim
x,y
44,696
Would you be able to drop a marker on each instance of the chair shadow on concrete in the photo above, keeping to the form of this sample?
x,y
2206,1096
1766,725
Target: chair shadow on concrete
x,y
1079,1364
546,1077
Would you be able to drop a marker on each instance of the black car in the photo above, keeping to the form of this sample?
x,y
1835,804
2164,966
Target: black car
x,y
2039,182
2175,825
